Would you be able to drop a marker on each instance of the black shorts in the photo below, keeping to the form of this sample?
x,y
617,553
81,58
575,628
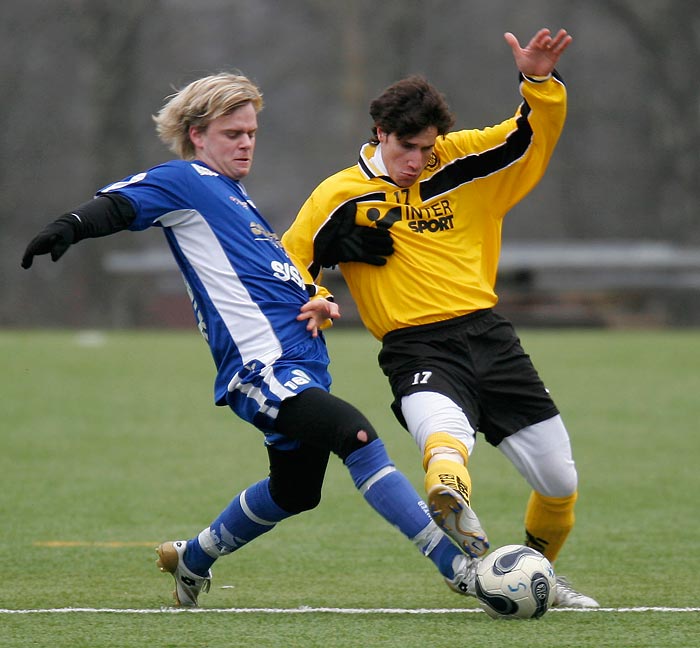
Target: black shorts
x,y
475,360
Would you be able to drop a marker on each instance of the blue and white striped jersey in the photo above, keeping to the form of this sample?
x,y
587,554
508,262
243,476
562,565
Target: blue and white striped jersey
x,y
246,292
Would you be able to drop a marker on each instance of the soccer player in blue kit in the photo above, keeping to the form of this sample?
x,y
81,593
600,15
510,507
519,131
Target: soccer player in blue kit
x,y
261,316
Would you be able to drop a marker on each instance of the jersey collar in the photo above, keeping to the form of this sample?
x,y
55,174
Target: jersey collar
x,y
371,163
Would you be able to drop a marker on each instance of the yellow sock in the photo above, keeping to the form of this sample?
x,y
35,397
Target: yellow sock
x,y
445,462
450,473
548,521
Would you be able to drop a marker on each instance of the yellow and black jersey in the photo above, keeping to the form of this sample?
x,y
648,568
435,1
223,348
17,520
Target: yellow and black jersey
x,y
446,227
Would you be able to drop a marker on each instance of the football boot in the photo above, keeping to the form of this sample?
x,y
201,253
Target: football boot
x,y
455,517
188,585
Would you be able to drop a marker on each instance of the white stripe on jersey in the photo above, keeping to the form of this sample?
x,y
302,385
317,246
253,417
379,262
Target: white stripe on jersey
x,y
246,323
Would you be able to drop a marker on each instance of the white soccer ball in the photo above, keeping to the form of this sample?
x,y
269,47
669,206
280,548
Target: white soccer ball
x,y
515,582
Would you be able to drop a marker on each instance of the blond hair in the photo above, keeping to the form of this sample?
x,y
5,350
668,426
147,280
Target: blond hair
x,y
200,102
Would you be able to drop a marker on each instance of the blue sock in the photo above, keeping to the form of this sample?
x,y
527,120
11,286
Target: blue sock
x,y
443,556
250,514
389,492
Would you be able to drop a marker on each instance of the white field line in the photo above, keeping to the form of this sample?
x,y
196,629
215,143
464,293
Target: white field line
x,y
326,610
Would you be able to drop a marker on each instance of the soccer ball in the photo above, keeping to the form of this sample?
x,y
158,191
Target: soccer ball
x,y
515,582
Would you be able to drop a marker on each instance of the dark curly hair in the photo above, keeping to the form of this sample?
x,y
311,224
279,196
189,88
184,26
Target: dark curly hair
x,y
409,106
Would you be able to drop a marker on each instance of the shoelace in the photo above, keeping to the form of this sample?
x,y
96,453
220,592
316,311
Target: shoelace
x,y
469,577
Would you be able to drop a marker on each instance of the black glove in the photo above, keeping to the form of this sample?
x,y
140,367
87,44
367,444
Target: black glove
x,y
55,239
364,244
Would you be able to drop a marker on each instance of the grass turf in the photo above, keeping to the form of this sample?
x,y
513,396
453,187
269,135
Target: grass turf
x,y
110,444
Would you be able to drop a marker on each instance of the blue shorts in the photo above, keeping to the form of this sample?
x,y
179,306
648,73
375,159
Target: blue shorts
x,y
256,392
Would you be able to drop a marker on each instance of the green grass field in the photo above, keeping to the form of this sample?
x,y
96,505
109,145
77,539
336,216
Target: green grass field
x,y
110,444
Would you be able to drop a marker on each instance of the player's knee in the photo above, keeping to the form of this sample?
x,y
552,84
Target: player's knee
x,y
351,429
560,481
320,419
356,435
296,500
542,454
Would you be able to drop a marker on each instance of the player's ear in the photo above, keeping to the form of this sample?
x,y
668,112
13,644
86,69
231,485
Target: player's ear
x,y
195,134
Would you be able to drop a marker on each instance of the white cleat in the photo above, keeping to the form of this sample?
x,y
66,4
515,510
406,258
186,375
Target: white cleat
x,y
188,585
454,516
464,581
567,596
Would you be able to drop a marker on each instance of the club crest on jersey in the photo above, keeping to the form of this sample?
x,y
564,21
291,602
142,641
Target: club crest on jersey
x,y
433,162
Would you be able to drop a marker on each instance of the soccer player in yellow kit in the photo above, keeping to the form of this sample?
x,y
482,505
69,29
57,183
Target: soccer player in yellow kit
x,y
415,227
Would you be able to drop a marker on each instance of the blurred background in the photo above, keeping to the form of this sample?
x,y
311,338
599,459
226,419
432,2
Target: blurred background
x,y
610,237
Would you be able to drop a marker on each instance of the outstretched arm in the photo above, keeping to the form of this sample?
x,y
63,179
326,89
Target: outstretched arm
x,y
100,216
541,54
